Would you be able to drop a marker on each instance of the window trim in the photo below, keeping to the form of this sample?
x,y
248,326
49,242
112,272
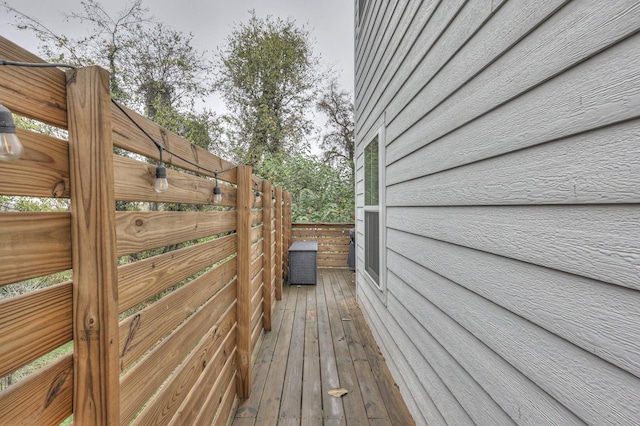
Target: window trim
x,y
380,208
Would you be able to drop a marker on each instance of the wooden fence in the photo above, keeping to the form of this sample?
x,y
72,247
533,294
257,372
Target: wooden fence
x,y
165,308
333,241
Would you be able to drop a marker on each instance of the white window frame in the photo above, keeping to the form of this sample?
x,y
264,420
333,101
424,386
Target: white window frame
x,y
381,283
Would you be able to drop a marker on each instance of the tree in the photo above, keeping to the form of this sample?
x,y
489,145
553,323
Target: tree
x,y
267,75
339,142
319,192
149,63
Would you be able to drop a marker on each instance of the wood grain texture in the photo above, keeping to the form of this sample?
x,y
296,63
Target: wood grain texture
x,y
127,136
33,325
218,372
575,378
95,277
243,363
148,376
43,398
598,92
602,166
267,277
43,170
38,93
139,332
220,337
216,392
597,242
139,231
278,241
224,416
138,281
600,318
134,181
33,245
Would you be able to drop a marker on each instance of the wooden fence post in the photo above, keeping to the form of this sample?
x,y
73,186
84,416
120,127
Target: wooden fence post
x,y
279,258
96,399
244,202
286,231
267,254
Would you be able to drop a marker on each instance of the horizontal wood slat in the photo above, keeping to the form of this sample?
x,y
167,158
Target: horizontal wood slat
x,y
33,325
215,375
142,330
38,93
141,280
256,217
134,181
43,398
165,357
127,136
219,339
33,245
139,231
43,170
333,241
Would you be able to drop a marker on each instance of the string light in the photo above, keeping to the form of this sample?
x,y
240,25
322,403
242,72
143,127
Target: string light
x,y
257,193
217,193
10,147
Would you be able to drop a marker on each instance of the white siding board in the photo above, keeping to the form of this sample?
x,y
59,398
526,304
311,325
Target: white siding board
x,y
601,319
508,26
413,20
417,40
377,28
601,166
600,91
524,401
384,327
383,36
577,379
452,388
468,20
599,242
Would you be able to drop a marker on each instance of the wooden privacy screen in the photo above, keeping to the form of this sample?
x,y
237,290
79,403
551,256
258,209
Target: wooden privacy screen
x,y
170,293
333,241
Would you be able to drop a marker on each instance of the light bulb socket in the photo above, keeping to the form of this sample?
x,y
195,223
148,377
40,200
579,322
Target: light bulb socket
x,y
7,125
217,190
161,172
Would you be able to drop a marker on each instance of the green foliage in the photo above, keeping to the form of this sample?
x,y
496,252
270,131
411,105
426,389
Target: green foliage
x,y
338,141
268,76
320,193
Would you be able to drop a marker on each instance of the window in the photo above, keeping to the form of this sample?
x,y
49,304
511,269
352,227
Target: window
x,y
372,210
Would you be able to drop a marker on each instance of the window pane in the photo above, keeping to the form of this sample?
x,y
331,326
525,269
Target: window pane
x,y
371,173
372,245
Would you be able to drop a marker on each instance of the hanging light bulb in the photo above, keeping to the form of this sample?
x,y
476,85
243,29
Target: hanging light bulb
x,y
217,193
10,147
162,184
257,193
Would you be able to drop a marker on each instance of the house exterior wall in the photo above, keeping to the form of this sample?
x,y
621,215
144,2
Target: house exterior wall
x,y
510,275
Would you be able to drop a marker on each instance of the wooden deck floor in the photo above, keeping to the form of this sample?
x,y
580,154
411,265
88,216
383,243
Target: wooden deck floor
x,y
320,341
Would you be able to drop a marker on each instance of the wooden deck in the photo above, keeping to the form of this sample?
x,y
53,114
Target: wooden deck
x,y
320,341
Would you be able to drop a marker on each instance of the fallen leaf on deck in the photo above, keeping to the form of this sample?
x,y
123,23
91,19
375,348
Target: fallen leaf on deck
x,y
338,392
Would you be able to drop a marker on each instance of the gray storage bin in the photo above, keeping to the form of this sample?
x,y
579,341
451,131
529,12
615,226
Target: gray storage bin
x,y
303,262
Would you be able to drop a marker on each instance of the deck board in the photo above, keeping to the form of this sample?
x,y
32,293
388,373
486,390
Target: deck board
x,y
319,342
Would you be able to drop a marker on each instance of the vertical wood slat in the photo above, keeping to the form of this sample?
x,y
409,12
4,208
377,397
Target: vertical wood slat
x,y
95,290
279,243
245,201
267,250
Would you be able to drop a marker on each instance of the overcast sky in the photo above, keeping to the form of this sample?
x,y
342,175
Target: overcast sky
x,y
330,22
